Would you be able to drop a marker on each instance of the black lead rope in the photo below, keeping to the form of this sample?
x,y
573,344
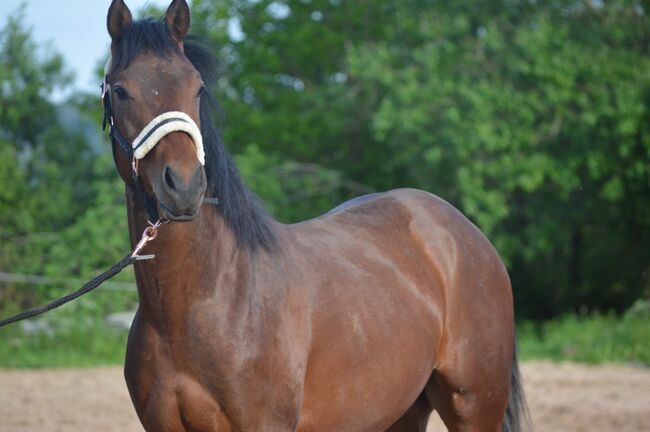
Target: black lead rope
x,y
148,235
125,262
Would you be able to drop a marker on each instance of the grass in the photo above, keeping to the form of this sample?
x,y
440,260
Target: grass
x,y
81,340
84,344
75,335
594,338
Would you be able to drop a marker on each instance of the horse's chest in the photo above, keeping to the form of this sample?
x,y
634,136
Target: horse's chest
x,y
180,403
167,395
187,381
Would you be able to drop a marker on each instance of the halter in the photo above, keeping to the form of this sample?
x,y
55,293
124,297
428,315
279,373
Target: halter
x,y
164,124
158,127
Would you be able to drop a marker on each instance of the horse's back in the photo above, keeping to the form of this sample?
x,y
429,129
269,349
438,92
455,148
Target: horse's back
x,y
355,201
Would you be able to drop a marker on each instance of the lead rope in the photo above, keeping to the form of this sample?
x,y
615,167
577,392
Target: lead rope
x,y
148,235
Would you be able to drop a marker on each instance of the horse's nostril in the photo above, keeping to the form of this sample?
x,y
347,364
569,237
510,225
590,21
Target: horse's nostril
x,y
169,179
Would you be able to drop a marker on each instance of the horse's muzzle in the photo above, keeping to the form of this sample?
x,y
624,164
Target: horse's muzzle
x,y
180,197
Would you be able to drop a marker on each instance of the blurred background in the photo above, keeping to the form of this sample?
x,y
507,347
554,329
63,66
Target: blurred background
x,y
532,117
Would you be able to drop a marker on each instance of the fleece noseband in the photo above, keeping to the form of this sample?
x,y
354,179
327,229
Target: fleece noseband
x,y
164,124
156,130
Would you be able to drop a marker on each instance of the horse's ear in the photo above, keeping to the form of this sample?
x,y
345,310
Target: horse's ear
x,y
118,19
178,20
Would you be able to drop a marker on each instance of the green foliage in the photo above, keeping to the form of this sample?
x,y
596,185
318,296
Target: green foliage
x,y
26,82
537,133
42,155
593,339
531,117
284,80
292,190
61,202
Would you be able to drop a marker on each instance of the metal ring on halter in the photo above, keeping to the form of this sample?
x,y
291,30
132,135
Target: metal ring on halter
x,y
149,233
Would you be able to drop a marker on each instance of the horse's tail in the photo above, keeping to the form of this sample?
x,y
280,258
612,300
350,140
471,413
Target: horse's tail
x,y
517,417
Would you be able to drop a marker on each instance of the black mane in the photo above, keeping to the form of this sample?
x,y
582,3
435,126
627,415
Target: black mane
x,y
240,208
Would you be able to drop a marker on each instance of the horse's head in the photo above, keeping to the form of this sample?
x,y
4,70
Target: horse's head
x,y
154,93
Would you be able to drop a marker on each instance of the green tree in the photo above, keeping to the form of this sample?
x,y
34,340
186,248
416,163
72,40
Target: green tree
x,y
532,117
44,151
60,197
536,125
283,91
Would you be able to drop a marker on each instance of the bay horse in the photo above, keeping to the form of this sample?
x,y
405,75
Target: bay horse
x,y
367,318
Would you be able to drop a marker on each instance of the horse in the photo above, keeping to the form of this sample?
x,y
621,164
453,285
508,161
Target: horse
x,y
366,318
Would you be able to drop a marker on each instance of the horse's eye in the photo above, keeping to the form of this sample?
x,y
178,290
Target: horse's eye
x,y
201,91
121,93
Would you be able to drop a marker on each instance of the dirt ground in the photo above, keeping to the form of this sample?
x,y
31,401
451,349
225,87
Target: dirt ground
x,y
562,398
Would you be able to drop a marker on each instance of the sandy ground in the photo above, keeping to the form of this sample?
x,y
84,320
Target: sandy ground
x,y
562,398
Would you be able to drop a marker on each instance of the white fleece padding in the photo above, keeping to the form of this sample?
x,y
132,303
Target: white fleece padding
x,y
186,124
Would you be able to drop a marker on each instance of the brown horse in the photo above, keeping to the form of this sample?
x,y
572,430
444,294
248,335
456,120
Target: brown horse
x,y
365,319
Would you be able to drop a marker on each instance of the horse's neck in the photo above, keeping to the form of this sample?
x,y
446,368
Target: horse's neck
x,y
190,258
